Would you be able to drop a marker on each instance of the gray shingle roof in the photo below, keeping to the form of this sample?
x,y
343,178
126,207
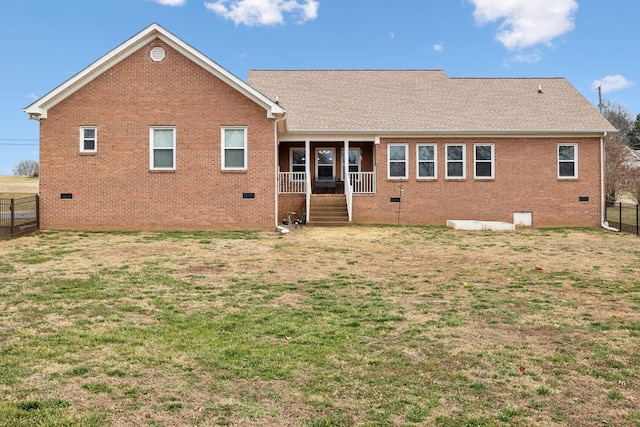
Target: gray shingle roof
x,y
425,100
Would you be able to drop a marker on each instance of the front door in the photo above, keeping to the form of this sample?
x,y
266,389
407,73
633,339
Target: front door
x,y
325,163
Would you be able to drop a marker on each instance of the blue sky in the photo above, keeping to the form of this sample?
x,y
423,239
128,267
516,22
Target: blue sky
x,y
590,42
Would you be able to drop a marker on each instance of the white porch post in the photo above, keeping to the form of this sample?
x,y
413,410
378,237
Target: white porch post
x,y
307,175
348,191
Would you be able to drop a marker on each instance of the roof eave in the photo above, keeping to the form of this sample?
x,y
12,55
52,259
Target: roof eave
x,y
539,133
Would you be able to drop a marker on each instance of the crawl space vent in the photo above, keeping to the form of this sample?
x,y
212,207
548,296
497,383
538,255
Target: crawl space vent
x,y
157,54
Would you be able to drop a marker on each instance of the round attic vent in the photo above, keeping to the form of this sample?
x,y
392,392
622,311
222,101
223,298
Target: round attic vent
x,y
157,54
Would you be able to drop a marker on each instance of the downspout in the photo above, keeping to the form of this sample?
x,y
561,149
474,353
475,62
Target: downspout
x,y
603,203
275,172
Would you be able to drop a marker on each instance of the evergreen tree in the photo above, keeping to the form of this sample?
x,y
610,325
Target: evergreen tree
x,y
633,136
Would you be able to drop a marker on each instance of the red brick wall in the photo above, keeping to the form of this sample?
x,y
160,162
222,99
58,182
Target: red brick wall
x,y
525,180
114,189
291,203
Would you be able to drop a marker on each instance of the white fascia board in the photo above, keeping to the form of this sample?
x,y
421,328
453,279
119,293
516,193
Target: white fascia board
x,y
39,107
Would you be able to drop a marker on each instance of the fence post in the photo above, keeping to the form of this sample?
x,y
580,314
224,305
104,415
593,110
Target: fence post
x,y
37,212
12,209
637,211
620,215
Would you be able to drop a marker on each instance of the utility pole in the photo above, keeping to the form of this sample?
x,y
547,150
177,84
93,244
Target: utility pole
x,y
600,98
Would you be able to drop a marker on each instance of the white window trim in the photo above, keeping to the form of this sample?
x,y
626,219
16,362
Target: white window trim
x,y
574,161
291,150
492,161
333,156
357,164
406,160
464,160
435,161
223,148
152,148
82,139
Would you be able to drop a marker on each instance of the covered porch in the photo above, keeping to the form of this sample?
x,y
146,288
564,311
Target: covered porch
x,y
315,167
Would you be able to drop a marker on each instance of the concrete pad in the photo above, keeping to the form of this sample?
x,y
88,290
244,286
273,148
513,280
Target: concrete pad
x,y
466,224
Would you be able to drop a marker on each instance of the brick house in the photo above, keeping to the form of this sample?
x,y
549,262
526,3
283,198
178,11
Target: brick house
x,y
156,136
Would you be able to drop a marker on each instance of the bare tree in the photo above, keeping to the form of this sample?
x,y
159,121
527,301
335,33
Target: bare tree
x,y
620,118
27,167
621,175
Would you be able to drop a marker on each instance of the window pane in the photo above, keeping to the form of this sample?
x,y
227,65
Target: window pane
x,y
566,152
567,169
163,138
483,152
397,152
454,169
325,171
297,157
454,152
397,169
297,168
354,157
89,145
426,152
483,169
234,138
234,158
163,158
89,133
426,169
325,157
353,168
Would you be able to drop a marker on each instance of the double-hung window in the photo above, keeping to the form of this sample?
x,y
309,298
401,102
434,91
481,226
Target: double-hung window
x,y
298,163
397,155
163,148
234,148
567,161
427,163
484,158
456,161
88,139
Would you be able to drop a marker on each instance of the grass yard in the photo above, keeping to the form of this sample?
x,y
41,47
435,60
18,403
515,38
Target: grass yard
x,y
17,186
359,326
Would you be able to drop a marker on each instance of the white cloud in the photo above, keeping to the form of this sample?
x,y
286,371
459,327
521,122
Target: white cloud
x,y
525,58
32,96
438,47
612,83
171,2
264,12
526,23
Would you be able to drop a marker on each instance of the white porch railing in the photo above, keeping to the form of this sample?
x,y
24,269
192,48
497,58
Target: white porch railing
x,y
363,182
348,192
292,182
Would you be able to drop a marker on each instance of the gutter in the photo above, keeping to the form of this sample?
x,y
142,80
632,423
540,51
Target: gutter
x,y
275,171
603,222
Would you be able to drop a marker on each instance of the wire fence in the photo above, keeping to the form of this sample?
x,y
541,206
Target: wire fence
x,y
19,216
624,216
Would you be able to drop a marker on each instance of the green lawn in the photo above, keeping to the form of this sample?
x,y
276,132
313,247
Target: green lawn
x,y
367,326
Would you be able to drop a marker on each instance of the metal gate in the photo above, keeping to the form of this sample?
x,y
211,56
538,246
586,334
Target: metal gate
x,y
19,216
